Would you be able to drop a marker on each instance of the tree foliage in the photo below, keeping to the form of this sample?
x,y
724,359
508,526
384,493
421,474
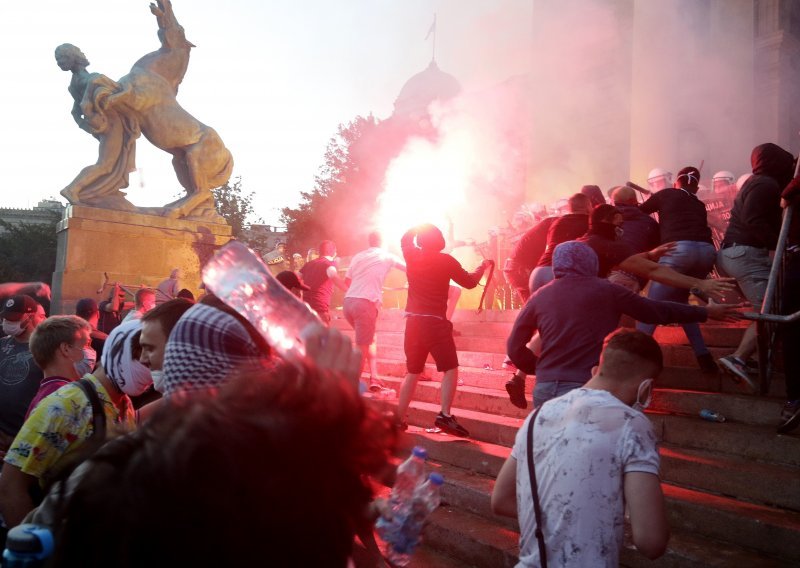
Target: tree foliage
x,y
344,197
235,206
28,251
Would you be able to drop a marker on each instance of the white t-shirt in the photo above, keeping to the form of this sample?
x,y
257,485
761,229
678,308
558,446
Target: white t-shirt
x,y
583,444
367,271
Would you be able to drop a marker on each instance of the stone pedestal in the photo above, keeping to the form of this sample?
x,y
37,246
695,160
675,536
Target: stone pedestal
x,y
133,248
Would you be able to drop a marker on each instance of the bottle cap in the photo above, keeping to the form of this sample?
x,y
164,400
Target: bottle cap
x,y
420,452
436,479
34,540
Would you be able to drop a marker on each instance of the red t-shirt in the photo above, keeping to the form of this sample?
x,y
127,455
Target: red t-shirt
x,y
47,387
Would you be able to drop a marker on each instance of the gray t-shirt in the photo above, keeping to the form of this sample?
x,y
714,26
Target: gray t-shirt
x,y
19,381
583,444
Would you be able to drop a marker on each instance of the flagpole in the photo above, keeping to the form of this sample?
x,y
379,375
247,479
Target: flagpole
x,y
433,53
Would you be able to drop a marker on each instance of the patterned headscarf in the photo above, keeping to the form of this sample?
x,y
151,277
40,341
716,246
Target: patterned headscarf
x,y
204,347
574,259
127,373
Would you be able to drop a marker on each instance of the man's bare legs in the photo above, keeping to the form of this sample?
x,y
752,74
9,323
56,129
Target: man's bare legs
x,y
406,392
370,364
449,383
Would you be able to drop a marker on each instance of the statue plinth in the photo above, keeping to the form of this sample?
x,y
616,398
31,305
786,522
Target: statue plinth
x,y
133,248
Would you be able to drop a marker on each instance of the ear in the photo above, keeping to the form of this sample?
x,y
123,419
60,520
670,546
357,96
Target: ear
x,y
595,370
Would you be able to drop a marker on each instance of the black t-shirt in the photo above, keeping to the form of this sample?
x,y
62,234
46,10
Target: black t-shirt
x,y
756,214
20,378
315,275
567,228
681,215
107,321
609,253
429,274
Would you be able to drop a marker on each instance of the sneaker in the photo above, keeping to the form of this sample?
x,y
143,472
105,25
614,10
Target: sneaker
x,y
707,364
516,392
450,425
790,417
737,370
375,385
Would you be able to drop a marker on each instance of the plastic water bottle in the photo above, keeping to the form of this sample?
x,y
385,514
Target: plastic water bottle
x,y
238,277
711,416
27,546
410,474
425,500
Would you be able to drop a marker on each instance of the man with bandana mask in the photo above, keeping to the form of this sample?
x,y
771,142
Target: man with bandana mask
x,y
574,313
683,220
19,375
63,422
594,454
59,347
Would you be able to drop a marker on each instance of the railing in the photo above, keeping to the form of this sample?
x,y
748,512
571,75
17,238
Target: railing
x,y
769,319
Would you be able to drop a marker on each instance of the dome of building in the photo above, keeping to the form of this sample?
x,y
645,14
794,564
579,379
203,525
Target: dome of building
x,y
422,89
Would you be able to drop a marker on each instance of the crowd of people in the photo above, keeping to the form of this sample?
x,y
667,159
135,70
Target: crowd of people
x,y
158,421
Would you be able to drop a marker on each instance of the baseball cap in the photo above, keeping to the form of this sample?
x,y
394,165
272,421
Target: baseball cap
x,y
86,307
17,306
291,280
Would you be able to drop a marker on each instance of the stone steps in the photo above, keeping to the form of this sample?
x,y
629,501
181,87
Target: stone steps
x,y
733,488
491,397
466,508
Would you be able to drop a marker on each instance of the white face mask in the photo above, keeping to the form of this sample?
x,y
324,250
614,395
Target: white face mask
x,y
640,405
13,328
158,380
86,365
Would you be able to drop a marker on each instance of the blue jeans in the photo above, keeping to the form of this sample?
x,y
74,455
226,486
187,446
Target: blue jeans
x,y
693,258
540,276
545,390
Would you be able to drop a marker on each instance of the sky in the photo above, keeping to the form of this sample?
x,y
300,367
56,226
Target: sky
x,y
274,79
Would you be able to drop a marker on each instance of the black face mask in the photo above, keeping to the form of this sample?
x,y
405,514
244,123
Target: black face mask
x,y
607,230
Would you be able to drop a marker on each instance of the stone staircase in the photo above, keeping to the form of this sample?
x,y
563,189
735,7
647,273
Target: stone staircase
x,y
733,488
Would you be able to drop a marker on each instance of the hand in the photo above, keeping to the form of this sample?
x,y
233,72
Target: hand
x,y
716,288
724,312
330,351
784,203
660,251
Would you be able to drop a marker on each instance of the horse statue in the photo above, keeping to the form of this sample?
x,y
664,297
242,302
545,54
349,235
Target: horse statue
x,y
145,101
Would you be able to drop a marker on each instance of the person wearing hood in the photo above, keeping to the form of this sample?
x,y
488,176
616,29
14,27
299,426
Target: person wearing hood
x,y
64,421
573,315
428,331
752,233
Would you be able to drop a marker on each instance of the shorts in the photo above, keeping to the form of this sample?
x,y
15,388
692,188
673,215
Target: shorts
x,y
424,335
750,266
628,281
362,314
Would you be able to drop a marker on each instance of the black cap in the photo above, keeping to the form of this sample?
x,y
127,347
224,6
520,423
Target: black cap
x,y
17,306
291,280
86,307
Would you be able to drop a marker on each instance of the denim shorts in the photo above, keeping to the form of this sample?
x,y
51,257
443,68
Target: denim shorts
x,y
750,266
362,314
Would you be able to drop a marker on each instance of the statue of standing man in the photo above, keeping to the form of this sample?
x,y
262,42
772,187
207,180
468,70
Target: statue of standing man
x,y
144,101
